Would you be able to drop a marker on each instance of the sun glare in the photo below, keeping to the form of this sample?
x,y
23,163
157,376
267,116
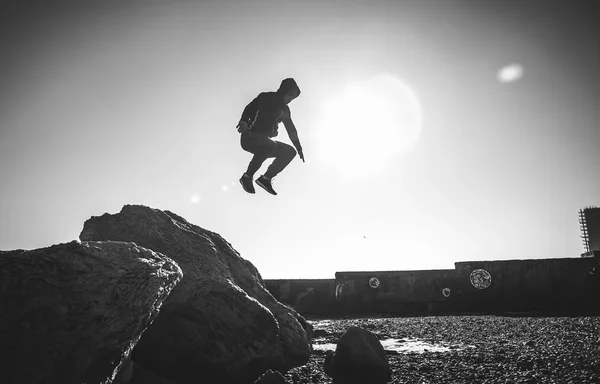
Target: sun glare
x,y
510,73
364,126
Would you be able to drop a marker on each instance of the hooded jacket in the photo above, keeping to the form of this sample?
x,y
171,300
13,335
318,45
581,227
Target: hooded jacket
x,y
267,110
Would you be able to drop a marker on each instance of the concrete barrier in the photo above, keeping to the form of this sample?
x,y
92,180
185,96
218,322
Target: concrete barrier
x,y
546,286
566,285
394,292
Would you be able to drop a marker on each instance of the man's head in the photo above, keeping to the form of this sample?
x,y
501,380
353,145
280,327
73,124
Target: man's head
x,y
288,90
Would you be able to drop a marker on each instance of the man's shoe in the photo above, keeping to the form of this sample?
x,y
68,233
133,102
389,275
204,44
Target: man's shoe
x,y
246,182
265,184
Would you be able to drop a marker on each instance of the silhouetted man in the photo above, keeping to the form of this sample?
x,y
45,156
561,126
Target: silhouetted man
x,y
259,123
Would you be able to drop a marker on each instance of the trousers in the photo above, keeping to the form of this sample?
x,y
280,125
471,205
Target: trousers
x,y
263,147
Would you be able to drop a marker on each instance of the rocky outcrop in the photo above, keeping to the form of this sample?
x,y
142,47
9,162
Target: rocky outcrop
x,y
359,358
220,324
71,313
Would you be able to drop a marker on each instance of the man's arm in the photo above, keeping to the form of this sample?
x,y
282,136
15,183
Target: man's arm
x,y
286,119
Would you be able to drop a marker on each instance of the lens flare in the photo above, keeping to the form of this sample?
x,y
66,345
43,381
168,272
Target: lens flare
x,y
510,73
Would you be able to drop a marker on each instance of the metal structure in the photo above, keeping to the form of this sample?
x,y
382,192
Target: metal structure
x,y
589,223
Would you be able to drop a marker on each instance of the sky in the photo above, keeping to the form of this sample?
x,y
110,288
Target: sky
x,y
433,131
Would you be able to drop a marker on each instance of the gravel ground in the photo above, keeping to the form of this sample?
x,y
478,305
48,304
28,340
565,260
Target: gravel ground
x,y
506,349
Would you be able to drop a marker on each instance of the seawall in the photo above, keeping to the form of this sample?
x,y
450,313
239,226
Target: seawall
x,y
562,286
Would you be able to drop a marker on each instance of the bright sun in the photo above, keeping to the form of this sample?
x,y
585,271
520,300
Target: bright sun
x,y
368,123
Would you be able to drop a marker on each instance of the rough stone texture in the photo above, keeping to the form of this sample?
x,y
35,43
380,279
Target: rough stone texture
x,y
359,358
71,313
271,377
220,324
140,375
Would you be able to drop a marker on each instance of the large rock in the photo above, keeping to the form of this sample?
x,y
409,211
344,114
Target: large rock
x,y
359,358
71,313
220,324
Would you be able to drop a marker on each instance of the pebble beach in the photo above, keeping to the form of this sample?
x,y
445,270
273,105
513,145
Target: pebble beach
x,y
471,349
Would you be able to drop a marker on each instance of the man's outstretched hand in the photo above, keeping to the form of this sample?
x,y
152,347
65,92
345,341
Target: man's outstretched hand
x,y
301,156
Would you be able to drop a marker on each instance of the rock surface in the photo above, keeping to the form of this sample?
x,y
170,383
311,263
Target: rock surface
x,y
220,324
71,313
358,359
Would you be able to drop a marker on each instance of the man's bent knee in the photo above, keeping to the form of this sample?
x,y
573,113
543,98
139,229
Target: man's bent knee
x,y
291,152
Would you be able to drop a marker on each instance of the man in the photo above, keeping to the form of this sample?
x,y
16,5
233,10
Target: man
x,y
259,123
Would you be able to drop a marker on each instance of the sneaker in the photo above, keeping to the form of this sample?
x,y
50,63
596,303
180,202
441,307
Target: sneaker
x,y
246,182
265,184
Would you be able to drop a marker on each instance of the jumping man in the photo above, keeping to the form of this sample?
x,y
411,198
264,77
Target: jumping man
x,y
259,123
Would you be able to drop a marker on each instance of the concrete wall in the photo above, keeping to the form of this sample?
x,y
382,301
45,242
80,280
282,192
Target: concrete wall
x,y
398,291
550,286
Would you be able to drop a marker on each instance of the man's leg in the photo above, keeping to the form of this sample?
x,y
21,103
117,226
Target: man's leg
x,y
261,146
284,154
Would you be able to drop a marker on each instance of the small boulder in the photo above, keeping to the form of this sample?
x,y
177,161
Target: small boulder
x,y
271,377
72,313
328,363
359,358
